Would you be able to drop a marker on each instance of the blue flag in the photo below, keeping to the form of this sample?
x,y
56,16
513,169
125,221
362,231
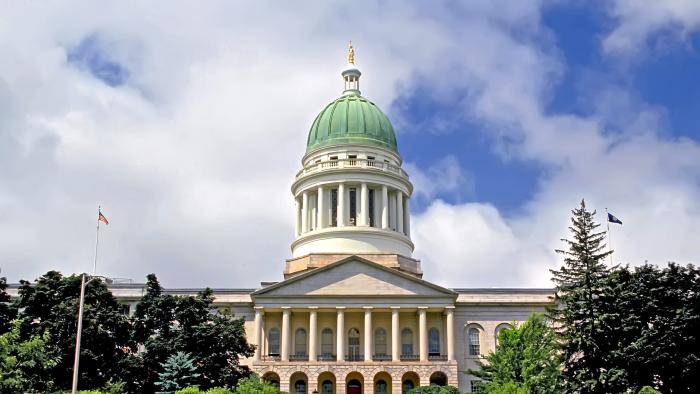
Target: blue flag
x,y
613,219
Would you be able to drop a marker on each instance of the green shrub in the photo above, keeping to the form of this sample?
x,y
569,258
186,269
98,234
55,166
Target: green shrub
x,y
189,390
219,390
648,390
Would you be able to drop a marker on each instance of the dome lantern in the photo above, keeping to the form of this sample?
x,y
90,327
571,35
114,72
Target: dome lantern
x,y
351,74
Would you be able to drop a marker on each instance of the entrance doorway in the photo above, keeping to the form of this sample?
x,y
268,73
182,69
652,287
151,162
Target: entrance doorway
x,y
354,387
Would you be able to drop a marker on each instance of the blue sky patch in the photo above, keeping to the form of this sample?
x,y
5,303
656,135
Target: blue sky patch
x,y
91,56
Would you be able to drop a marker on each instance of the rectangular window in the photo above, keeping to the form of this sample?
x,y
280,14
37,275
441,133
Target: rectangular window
x,y
353,206
352,160
477,386
334,161
370,161
334,207
371,207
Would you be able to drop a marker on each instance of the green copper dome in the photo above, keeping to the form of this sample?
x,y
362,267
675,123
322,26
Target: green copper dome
x,y
351,119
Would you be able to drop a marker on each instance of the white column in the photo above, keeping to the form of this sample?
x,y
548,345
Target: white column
x,y
368,333
364,205
399,211
305,212
284,352
313,340
258,333
341,205
395,334
385,208
340,333
423,332
450,323
407,218
320,220
297,221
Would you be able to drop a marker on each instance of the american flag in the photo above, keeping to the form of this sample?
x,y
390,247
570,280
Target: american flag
x,y
102,218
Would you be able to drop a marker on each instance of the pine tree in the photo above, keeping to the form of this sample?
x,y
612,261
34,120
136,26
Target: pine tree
x,y
179,372
576,313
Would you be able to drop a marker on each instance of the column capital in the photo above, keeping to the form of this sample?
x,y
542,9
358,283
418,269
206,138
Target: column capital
x,y
395,307
422,308
368,308
313,308
340,308
259,308
449,309
286,308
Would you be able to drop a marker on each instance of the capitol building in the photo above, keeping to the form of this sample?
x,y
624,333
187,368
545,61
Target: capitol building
x,y
352,314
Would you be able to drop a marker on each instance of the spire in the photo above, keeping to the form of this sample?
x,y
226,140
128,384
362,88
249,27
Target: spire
x,y
351,74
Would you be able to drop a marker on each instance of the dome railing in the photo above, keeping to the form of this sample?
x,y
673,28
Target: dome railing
x,y
368,164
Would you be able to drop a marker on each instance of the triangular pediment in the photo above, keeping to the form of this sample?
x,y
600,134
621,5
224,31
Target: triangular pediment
x,y
354,277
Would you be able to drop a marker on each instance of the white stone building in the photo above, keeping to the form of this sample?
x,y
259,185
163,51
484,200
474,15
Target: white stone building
x,y
352,314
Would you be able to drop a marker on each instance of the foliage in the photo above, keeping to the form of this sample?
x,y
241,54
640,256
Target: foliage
x,y
50,305
254,385
221,390
525,359
433,389
189,390
24,363
7,310
165,323
652,316
579,284
648,390
179,371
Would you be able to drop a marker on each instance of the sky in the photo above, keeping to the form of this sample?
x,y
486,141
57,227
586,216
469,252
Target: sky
x,y
187,121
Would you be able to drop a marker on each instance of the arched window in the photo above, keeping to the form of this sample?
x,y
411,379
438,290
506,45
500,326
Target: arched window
x,y
300,387
406,342
380,387
500,328
407,386
300,342
474,346
380,342
327,342
327,387
434,342
353,344
273,341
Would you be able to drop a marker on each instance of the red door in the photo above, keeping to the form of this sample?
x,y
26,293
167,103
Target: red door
x,y
354,387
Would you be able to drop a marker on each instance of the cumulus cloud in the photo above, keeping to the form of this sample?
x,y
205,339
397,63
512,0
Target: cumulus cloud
x,y
636,21
188,124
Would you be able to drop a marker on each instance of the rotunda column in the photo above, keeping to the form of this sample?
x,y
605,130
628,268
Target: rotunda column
x,y
320,222
341,205
297,222
423,332
407,218
305,212
340,333
385,208
399,211
364,205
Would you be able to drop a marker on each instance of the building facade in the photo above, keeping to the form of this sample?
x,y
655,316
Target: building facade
x,y
352,314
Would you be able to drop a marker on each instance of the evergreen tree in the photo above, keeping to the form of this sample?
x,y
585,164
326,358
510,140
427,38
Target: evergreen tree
x,y
179,372
7,310
525,360
165,323
576,313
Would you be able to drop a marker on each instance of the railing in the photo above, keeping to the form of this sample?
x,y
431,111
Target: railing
x,y
352,163
326,357
271,357
354,357
409,357
298,357
381,357
437,357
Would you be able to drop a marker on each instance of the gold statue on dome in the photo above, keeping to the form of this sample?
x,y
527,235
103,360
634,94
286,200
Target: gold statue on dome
x,y
351,53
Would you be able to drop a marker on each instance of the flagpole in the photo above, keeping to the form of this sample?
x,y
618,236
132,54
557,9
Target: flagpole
x,y
97,240
607,220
